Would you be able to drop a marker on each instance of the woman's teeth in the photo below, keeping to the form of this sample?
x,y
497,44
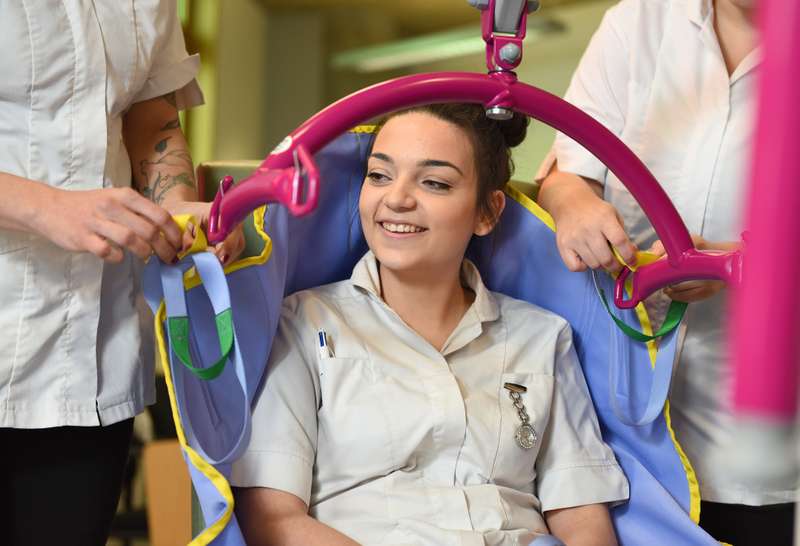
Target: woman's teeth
x,y
401,228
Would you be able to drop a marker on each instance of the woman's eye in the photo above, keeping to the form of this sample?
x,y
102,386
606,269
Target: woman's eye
x,y
436,185
377,178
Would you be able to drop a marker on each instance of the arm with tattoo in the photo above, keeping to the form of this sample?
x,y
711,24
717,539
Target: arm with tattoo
x,y
162,166
160,159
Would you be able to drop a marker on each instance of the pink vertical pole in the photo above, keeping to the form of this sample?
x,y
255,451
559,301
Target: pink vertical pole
x,y
765,333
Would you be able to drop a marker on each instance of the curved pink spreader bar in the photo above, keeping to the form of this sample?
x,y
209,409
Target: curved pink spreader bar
x,y
277,178
765,332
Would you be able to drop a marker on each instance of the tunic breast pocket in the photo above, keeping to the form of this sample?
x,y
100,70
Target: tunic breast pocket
x,y
525,400
353,437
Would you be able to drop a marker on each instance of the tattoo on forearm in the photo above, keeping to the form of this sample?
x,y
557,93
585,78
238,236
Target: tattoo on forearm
x,y
162,145
172,169
163,184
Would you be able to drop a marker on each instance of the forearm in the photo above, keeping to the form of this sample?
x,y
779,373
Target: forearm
x,y
23,202
299,530
160,159
270,517
587,525
560,188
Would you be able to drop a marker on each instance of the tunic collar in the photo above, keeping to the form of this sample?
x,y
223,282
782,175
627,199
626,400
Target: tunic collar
x,y
698,11
366,276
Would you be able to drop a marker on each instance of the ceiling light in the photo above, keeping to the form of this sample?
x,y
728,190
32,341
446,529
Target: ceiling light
x,y
438,46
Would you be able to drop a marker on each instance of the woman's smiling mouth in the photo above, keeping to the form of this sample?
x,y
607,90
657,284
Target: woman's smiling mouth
x,y
401,228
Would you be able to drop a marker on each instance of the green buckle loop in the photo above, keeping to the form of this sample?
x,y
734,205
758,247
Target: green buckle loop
x,y
671,321
178,329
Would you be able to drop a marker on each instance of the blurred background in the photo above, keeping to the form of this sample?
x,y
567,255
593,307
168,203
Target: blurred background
x,y
268,65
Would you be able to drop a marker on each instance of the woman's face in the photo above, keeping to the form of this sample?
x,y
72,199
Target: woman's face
x,y
418,204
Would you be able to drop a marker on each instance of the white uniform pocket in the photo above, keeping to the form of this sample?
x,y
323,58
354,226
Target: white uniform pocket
x,y
514,465
353,437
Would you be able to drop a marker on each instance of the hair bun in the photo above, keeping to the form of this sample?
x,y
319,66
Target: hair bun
x,y
515,129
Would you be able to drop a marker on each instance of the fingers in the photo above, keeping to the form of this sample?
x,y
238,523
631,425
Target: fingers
x,y
693,291
572,259
104,250
188,236
604,253
156,215
699,242
123,237
593,252
588,238
149,233
615,234
657,248
230,249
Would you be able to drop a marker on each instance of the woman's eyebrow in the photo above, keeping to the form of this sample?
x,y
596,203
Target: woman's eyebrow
x,y
382,157
438,163
421,163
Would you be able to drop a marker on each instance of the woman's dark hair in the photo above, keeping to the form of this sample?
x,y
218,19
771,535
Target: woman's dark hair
x,y
491,140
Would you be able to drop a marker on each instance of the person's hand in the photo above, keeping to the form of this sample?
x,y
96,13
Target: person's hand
x,y
106,222
228,250
693,291
586,225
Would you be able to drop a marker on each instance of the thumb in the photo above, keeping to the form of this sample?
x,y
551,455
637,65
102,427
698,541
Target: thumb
x,y
657,248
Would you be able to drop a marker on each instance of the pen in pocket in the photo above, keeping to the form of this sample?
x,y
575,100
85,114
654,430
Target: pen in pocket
x,y
324,348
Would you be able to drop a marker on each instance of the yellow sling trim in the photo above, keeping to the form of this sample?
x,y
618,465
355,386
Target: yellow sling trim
x,y
368,129
643,258
691,477
532,206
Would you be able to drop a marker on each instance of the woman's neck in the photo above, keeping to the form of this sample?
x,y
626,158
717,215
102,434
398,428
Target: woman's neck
x,y
432,304
736,32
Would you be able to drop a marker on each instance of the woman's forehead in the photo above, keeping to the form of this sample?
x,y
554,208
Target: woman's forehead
x,y
419,135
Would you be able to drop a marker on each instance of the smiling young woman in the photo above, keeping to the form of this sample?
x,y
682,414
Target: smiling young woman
x,y
439,412
419,209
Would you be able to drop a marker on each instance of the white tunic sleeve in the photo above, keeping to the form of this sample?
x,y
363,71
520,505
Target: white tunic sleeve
x,y
283,442
575,467
172,68
599,88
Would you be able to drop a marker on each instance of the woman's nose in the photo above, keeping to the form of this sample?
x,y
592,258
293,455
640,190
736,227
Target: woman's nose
x,y
400,196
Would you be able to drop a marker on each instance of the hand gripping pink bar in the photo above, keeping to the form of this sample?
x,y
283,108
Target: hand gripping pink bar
x,y
690,264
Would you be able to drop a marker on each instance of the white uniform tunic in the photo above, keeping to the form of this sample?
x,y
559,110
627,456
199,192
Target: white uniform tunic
x,y
391,441
654,75
69,332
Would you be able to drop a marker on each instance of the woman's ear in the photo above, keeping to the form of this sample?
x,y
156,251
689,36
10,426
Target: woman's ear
x,y
486,223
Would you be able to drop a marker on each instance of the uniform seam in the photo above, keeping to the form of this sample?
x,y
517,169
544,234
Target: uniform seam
x,y
712,182
14,361
32,85
499,396
71,101
137,45
67,332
